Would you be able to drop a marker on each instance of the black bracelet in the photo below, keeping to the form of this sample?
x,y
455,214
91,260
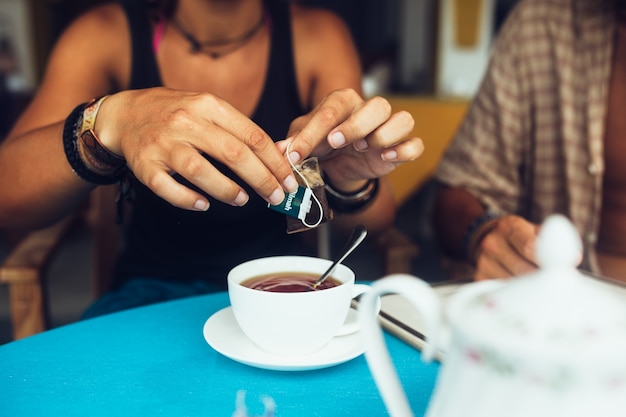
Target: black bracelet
x,y
476,231
70,145
354,202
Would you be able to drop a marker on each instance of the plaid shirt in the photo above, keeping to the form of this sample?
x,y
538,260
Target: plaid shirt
x,y
532,140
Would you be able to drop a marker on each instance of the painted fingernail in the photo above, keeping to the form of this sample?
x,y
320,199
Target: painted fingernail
x,y
201,205
294,157
337,140
277,197
290,183
389,156
241,199
361,145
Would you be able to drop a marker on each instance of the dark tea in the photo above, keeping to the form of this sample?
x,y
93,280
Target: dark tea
x,y
288,282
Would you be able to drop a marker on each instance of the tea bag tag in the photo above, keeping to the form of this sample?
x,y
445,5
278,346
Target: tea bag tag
x,y
296,204
307,207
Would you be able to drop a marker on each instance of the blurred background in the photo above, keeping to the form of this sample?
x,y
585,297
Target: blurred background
x,y
426,56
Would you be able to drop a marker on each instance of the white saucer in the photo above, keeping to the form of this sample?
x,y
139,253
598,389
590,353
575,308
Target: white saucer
x,y
223,334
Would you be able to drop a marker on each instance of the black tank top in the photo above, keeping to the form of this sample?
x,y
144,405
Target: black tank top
x,y
163,241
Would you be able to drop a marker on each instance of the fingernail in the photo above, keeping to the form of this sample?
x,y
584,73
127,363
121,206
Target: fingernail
x,y
294,157
337,140
201,205
241,199
389,156
290,183
277,197
361,145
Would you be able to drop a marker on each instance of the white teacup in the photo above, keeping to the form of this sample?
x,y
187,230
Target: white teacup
x,y
292,323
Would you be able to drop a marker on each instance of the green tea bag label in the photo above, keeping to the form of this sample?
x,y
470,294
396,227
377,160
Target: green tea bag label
x,y
296,204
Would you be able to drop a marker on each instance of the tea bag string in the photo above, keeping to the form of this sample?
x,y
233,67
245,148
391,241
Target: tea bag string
x,y
293,167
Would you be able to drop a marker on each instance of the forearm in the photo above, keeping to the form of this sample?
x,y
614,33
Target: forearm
x,y
453,211
37,185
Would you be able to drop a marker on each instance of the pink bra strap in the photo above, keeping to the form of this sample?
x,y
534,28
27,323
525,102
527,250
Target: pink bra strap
x,y
158,35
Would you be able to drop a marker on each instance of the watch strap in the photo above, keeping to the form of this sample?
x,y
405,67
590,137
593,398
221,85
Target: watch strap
x,y
93,152
90,113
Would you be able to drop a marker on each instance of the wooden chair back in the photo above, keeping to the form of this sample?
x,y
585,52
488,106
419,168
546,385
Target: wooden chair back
x,y
107,236
24,269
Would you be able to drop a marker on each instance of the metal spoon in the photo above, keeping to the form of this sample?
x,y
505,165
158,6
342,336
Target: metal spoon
x,y
358,234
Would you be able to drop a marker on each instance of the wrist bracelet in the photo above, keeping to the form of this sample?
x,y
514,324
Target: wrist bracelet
x,y
477,230
353,202
71,129
95,155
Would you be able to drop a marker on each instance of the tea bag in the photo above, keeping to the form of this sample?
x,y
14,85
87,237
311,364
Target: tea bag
x,y
307,207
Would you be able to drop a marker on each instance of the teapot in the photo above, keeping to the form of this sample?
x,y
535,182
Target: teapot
x,y
549,343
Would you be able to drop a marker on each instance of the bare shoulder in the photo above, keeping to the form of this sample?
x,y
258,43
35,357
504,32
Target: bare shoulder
x,y
104,22
97,40
326,56
318,25
90,59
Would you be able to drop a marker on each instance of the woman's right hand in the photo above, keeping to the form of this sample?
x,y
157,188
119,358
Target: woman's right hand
x,y
160,131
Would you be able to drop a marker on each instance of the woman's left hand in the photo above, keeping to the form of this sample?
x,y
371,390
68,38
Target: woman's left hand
x,y
355,139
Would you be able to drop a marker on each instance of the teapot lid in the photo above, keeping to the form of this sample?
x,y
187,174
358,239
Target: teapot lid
x,y
555,310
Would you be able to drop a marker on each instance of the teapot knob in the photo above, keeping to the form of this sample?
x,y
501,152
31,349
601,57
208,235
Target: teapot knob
x,y
559,244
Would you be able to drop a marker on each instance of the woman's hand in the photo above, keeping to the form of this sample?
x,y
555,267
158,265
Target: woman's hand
x,y
355,139
160,131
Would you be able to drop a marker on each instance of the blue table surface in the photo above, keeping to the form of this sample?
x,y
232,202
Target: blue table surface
x,y
154,361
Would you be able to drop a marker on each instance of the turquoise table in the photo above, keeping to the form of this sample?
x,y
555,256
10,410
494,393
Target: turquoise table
x,y
154,361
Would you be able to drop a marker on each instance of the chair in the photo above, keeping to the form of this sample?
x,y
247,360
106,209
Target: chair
x,y
24,269
23,272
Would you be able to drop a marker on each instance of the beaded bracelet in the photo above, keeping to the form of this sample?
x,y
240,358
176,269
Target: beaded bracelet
x,y
477,230
350,203
80,155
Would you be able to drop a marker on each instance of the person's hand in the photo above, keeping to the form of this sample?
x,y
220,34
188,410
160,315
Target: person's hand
x,y
507,250
355,139
160,131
